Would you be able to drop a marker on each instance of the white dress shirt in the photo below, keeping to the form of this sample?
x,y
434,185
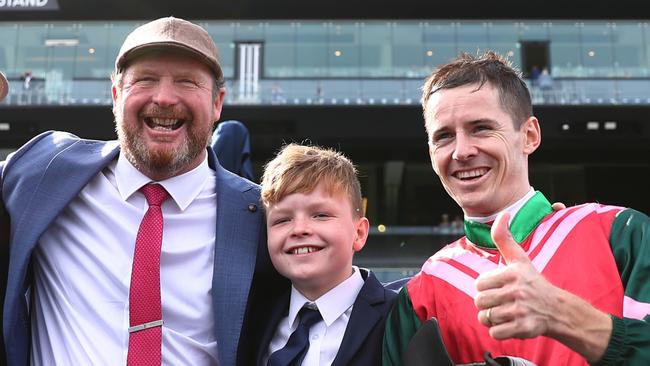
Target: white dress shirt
x,y
82,271
325,336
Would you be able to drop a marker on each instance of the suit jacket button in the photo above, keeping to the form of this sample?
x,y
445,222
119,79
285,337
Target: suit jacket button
x,y
252,207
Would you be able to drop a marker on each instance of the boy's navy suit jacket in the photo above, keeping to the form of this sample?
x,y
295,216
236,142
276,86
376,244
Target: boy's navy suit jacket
x,y
362,341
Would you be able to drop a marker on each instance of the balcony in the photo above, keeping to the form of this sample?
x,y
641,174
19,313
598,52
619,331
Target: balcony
x,y
329,92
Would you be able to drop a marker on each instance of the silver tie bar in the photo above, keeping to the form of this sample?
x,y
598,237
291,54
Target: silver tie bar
x,y
153,324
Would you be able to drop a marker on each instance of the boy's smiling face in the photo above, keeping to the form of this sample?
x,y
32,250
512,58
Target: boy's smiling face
x,y
312,238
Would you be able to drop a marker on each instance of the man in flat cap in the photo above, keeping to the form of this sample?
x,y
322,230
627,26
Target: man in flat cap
x,y
144,250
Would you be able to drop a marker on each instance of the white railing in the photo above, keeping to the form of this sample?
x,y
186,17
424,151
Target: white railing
x,y
335,92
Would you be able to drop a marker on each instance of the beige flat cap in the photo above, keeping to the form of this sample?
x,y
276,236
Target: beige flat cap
x,y
174,33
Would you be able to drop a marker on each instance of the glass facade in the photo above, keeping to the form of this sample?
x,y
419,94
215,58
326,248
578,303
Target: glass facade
x,y
354,62
69,57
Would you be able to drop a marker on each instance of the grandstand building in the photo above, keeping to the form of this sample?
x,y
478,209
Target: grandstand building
x,y
348,74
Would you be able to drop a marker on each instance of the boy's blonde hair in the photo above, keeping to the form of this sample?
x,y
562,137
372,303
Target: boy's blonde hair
x,y
300,168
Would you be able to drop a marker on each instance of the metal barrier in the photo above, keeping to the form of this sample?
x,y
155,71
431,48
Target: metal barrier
x,y
335,92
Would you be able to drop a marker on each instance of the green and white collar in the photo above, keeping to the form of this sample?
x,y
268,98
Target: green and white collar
x,y
522,224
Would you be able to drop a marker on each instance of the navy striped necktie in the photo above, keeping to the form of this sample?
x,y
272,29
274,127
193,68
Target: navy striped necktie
x,y
296,348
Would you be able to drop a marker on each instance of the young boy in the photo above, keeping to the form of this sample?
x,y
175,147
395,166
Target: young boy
x,y
315,223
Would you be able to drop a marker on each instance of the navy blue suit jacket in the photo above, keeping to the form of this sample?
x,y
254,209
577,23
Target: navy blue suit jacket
x,y
362,341
42,177
231,143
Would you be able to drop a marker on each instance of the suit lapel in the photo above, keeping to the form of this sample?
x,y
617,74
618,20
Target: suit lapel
x,y
362,320
237,237
277,312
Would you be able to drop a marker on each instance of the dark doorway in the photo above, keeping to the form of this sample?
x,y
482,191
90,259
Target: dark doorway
x,y
535,56
248,60
248,70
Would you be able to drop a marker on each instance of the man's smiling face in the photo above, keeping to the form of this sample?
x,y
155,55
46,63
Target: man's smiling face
x,y
481,159
165,108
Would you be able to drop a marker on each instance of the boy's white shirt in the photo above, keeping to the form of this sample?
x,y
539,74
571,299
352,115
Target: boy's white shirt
x,y
325,336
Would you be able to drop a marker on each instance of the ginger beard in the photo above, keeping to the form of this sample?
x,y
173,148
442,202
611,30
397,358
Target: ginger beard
x,y
162,160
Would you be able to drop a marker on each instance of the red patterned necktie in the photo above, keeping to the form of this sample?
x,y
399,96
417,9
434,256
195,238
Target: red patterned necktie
x,y
145,312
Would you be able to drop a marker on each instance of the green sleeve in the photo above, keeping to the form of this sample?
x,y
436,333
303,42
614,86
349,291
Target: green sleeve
x,y
401,325
630,241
